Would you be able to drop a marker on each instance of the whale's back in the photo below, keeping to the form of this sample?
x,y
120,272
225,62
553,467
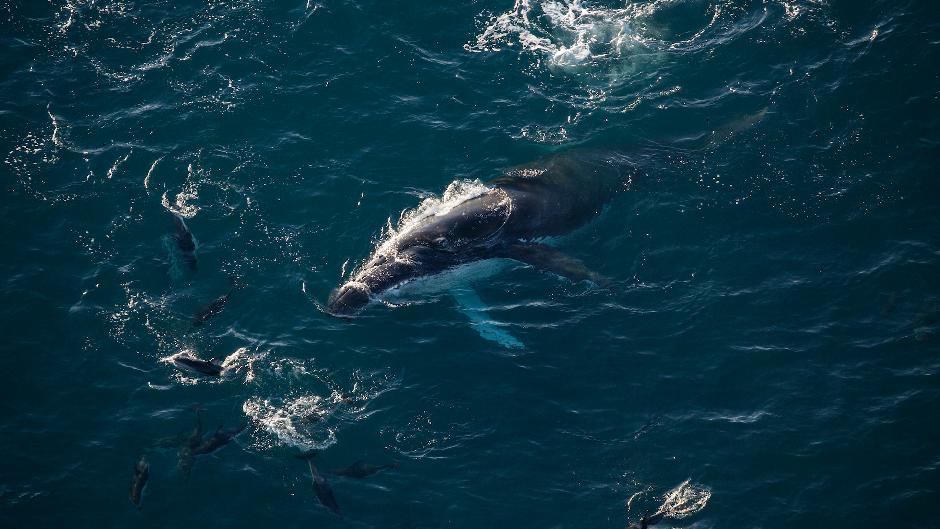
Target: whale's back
x,y
564,191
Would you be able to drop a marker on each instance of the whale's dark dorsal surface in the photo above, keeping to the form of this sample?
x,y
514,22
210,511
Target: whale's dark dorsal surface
x,y
550,197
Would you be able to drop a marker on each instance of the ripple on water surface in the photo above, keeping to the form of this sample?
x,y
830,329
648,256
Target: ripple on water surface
x,y
765,354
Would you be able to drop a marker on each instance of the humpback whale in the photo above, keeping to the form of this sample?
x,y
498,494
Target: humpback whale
x,y
507,220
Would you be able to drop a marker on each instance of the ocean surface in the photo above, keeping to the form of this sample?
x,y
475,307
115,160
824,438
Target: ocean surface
x,y
766,354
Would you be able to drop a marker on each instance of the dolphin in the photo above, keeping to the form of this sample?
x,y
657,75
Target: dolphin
x,y
211,310
141,475
220,438
209,368
188,444
509,220
647,521
361,469
215,307
185,241
320,485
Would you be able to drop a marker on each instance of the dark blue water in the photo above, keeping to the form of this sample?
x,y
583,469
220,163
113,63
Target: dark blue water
x,y
766,355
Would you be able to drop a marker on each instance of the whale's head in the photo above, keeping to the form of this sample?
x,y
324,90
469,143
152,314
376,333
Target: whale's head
x,y
348,299
386,271
424,248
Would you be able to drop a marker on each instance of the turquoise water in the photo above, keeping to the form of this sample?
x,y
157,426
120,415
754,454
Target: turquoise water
x,y
766,355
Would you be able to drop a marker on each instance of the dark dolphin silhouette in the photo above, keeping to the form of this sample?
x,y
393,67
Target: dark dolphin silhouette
x,y
188,444
320,485
209,368
211,310
214,308
185,241
220,438
647,521
141,475
361,469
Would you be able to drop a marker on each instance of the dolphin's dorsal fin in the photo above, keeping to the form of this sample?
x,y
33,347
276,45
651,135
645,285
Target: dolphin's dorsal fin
x,y
554,261
471,305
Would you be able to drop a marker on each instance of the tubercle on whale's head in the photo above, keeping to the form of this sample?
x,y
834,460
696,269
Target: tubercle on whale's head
x,y
379,275
348,299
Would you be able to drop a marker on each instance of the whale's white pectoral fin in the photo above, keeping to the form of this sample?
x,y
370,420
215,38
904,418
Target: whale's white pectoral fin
x,y
471,305
554,261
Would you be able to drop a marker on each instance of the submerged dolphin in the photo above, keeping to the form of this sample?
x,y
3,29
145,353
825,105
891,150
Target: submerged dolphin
x,y
220,438
185,241
550,197
211,310
647,521
141,475
214,308
188,444
361,469
320,485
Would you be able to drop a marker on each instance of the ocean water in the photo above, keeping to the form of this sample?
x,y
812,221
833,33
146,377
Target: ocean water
x,y
766,355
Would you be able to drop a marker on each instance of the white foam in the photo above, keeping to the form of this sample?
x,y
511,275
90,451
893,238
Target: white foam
x,y
456,193
286,420
150,172
56,135
242,361
567,33
117,164
181,204
685,500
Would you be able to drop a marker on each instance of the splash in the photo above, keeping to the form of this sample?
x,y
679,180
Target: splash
x,y
181,204
294,422
456,193
685,500
242,361
567,34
